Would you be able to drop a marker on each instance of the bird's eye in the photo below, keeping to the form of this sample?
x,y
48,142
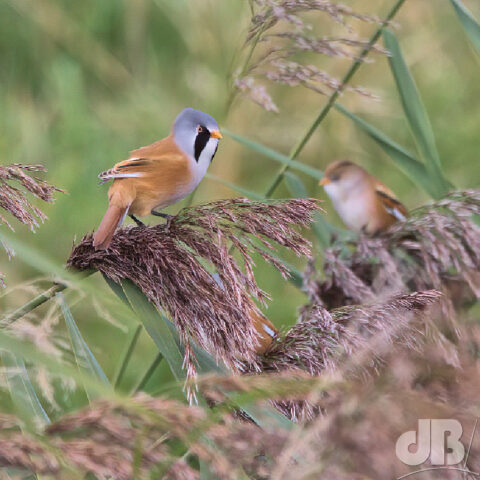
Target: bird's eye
x,y
334,177
200,129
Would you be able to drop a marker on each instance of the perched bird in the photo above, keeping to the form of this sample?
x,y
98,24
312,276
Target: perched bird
x,y
159,174
364,203
266,332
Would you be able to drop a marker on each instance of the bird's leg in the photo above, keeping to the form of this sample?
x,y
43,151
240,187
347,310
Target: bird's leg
x,y
137,221
167,217
161,214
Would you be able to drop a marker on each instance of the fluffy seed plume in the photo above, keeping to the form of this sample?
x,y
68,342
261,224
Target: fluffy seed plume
x,y
15,184
438,247
324,342
189,272
278,36
137,440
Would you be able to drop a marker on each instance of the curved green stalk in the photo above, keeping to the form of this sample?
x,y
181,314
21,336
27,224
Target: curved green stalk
x,y
333,98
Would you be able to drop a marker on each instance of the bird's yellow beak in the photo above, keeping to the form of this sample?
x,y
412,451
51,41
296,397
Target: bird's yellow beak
x,y
324,181
216,134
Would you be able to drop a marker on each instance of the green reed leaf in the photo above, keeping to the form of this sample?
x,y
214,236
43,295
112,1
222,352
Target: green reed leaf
x,y
83,355
274,155
403,160
469,24
29,353
415,112
156,327
235,188
24,398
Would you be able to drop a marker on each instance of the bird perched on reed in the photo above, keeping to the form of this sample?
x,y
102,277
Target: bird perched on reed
x,y
159,174
267,332
363,202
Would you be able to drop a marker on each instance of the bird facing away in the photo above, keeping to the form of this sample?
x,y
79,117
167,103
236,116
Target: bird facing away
x,y
159,174
363,202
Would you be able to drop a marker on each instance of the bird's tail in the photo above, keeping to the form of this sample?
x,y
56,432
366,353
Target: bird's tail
x,y
266,332
111,220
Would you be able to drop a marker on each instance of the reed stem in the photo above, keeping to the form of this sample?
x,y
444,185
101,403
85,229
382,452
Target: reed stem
x,y
333,98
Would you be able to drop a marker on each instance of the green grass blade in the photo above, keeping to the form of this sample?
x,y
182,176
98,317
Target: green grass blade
x,y
415,111
470,25
235,188
148,373
126,355
156,327
83,355
206,362
404,160
29,353
272,154
25,400
117,290
295,186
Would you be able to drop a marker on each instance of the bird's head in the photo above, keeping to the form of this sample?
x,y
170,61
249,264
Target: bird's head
x,y
197,134
343,178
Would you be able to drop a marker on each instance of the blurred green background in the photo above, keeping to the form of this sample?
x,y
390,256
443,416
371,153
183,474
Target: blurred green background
x,y
83,83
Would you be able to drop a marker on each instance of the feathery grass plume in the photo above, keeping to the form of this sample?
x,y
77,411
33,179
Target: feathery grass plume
x,y
170,267
358,434
140,438
437,247
278,35
14,199
322,341
147,437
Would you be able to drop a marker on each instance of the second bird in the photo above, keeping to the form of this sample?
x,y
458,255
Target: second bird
x,y
159,174
363,202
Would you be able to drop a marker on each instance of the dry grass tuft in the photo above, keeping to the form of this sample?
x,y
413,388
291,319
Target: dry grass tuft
x,y
278,36
13,198
175,269
438,247
353,438
325,342
141,438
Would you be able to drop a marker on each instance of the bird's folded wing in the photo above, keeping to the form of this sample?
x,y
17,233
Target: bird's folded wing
x,y
133,167
158,155
390,203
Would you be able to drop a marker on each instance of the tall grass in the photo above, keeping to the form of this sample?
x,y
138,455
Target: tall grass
x,y
90,83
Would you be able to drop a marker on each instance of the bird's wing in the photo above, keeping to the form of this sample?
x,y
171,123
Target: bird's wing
x,y
132,167
144,159
390,203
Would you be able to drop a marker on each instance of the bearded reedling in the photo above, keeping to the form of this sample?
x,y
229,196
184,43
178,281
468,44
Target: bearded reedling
x,y
363,202
159,174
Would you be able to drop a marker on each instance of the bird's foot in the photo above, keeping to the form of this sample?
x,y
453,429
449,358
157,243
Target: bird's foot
x,y
137,221
167,217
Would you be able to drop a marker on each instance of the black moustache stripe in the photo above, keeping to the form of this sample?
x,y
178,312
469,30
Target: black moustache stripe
x,y
200,142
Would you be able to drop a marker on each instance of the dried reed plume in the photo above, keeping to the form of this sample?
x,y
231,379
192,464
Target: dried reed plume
x,y
323,342
137,440
14,199
354,438
437,247
278,35
169,267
